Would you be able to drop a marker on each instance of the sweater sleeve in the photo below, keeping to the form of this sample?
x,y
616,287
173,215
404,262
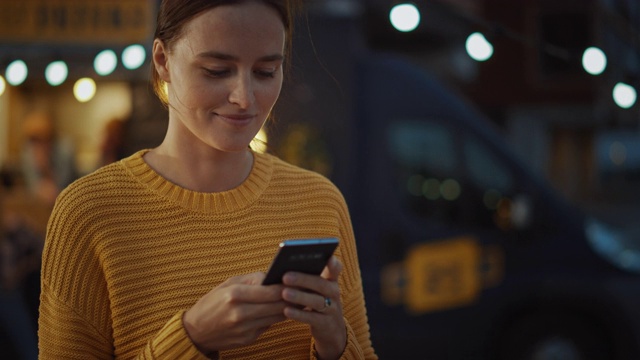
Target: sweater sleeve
x,y
75,320
64,334
172,342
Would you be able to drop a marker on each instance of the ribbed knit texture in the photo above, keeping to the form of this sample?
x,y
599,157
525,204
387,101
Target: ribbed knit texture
x,y
127,252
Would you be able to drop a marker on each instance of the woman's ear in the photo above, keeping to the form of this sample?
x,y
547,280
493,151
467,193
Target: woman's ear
x,y
160,60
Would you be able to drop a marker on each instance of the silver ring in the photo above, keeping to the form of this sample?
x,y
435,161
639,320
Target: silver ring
x,y
327,303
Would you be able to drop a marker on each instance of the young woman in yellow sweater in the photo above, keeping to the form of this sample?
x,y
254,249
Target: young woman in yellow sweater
x,y
162,254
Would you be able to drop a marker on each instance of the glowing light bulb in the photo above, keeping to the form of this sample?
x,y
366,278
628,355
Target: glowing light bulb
x,y
84,89
405,17
133,56
594,61
56,73
17,72
624,95
478,47
105,62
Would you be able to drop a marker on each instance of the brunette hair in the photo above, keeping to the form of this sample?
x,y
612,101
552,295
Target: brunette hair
x,y
174,14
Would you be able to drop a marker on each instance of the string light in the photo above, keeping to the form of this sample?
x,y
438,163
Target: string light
x,y
133,56
624,95
404,17
84,89
56,73
478,47
105,62
594,61
17,72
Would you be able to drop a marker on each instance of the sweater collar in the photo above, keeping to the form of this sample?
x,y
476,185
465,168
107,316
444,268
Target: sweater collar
x,y
220,202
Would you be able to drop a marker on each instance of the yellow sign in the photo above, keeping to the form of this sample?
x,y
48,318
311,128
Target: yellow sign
x,y
442,275
77,21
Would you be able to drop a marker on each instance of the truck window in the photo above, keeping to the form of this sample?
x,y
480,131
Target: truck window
x,y
448,176
426,162
486,172
421,144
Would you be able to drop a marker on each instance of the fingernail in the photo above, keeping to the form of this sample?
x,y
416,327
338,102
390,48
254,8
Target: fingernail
x,y
289,277
288,294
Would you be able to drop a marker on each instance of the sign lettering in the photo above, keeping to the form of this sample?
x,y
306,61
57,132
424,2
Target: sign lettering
x,y
77,21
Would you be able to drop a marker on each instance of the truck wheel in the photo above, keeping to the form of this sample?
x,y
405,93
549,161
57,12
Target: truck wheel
x,y
555,337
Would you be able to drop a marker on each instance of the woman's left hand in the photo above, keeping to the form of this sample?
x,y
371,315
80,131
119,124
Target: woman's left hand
x,y
315,301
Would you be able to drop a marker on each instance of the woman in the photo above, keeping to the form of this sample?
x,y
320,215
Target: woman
x,y
162,254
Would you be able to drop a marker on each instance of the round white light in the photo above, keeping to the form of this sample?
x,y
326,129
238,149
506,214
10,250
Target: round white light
x,y
56,73
404,17
105,62
478,47
133,56
3,85
84,89
17,72
624,95
594,61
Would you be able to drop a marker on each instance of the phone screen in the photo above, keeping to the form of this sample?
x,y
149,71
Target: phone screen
x,y
307,256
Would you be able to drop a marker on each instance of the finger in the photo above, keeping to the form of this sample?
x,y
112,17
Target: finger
x,y
307,317
255,278
333,269
255,294
304,299
311,283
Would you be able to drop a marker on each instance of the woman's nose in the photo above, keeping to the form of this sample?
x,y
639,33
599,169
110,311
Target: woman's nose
x,y
241,92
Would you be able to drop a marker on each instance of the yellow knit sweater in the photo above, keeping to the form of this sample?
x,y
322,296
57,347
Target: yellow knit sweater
x,y
127,252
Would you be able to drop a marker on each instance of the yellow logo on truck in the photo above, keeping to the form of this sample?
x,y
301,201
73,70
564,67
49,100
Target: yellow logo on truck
x,y
442,275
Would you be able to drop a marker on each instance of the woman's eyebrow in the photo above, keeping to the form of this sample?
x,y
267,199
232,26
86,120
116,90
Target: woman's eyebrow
x,y
227,57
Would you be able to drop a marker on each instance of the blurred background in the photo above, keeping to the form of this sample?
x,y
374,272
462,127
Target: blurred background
x,y
489,151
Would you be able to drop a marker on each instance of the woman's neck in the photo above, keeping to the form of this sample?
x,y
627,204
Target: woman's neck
x,y
207,171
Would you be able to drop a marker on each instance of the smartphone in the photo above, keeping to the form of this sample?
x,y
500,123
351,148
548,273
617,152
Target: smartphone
x,y
307,256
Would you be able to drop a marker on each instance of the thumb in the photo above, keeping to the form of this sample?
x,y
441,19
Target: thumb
x,y
333,269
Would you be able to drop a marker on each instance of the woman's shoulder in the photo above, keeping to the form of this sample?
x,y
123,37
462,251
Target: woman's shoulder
x,y
298,180
285,170
105,182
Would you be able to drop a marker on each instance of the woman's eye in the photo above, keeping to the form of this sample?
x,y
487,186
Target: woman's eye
x,y
266,73
217,73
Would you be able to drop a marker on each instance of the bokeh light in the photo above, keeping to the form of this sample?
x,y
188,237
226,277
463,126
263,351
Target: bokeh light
x,y
478,47
3,85
624,95
594,61
17,72
105,62
405,17
133,56
56,73
618,153
84,89
450,189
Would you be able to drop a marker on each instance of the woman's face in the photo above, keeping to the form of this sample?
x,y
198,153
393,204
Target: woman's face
x,y
224,75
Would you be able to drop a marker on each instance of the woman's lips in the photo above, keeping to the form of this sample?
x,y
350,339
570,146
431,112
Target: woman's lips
x,y
237,119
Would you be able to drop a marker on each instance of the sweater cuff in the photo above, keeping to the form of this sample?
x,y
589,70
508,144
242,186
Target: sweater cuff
x,y
172,342
351,351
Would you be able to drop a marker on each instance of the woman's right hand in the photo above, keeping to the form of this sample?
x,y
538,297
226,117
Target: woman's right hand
x,y
234,314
